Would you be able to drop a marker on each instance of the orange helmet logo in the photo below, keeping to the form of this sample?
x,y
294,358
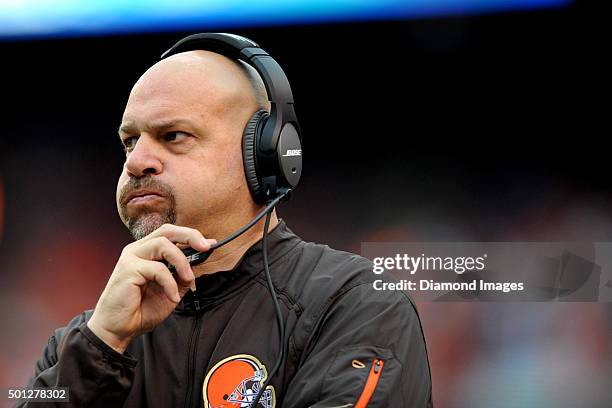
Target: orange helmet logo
x,y
234,383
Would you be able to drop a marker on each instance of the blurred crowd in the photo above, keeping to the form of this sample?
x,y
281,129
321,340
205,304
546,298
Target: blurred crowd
x,y
62,237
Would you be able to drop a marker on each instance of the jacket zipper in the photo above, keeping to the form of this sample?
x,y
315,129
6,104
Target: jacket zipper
x,y
371,382
191,358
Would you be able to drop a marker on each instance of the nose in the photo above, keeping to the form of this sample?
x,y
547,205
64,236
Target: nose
x,y
144,158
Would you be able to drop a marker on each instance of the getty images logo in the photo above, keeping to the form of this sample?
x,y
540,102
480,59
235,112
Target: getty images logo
x,y
294,152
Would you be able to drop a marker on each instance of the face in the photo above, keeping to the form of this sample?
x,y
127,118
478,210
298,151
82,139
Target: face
x,y
182,130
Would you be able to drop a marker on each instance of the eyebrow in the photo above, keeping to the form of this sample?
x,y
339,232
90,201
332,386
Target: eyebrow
x,y
130,125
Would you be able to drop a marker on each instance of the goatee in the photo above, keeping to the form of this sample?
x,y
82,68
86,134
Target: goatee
x,y
146,220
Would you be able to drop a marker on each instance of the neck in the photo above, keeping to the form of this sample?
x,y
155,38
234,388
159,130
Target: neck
x,y
227,257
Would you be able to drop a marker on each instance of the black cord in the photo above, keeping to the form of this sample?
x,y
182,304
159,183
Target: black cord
x,y
279,315
196,257
259,216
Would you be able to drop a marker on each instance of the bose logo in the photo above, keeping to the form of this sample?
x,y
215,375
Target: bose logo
x,y
296,152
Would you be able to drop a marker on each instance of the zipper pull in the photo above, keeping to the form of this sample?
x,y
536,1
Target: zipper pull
x,y
196,304
376,366
371,382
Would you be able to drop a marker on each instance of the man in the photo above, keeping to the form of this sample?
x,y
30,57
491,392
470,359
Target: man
x,y
153,342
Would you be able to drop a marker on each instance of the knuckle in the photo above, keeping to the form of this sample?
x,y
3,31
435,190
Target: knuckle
x,y
166,229
126,249
169,249
123,263
195,232
139,269
160,268
161,241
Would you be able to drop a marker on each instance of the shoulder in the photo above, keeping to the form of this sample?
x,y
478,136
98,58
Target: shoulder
x,y
320,266
317,276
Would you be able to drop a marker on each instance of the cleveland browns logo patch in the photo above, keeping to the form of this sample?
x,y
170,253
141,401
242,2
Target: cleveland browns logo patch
x,y
235,381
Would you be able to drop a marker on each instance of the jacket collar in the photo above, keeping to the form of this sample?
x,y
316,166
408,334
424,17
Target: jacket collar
x,y
214,288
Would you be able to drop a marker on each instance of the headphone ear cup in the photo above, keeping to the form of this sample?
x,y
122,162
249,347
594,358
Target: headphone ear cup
x,y
249,156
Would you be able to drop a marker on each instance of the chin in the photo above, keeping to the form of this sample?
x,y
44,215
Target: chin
x,y
145,224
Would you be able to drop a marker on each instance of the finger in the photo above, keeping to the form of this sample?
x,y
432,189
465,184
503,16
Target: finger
x,y
183,235
184,289
158,273
161,248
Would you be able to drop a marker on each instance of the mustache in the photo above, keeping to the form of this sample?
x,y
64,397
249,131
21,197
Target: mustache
x,y
145,183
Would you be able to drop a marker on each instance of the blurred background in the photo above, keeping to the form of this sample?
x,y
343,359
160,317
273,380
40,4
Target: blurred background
x,y
437,120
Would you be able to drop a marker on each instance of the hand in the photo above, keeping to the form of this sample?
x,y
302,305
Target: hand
x,y
141,292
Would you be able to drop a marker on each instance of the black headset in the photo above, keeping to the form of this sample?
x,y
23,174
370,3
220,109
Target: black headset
x,y
271,142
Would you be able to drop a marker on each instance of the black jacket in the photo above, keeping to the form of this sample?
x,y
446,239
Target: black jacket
x,y
345,342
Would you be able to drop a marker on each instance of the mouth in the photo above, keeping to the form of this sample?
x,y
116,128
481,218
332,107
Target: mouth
x,y
142,196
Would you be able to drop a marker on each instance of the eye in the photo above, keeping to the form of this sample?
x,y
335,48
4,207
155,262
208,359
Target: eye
x,y
175,136
129,143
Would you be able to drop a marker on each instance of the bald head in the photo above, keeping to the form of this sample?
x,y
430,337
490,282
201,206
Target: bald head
x,y
194,75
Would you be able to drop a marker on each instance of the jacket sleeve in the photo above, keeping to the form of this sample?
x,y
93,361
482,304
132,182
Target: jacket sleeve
x,y
368,350
95,374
